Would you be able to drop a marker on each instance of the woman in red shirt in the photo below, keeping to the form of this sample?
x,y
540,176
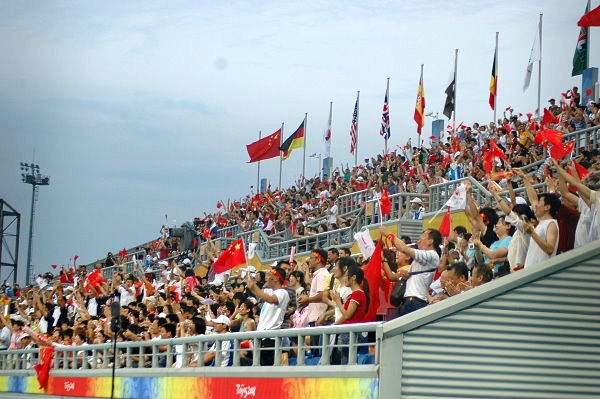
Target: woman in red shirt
x,y
355,307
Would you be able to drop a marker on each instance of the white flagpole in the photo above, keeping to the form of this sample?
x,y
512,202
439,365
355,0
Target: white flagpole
x,y
455,90
304,153
328,142
539,93
357,118
496,77
258,171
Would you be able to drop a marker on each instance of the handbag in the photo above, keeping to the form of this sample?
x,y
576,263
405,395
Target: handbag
x,y
397,295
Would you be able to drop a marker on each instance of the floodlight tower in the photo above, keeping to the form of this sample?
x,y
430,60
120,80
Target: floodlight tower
x,y
30,174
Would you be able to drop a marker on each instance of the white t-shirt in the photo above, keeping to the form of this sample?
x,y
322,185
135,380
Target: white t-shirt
x,y
271,315
595,222
127,295
332,214
517,249
535,254
418,285
582,231
225,352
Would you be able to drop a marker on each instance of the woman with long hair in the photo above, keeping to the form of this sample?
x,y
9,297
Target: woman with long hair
x,y
354,309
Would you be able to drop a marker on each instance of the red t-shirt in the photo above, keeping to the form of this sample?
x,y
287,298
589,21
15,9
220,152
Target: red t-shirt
x,y
360,299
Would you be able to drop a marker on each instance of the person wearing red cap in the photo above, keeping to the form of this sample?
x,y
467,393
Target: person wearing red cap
x,y
275,300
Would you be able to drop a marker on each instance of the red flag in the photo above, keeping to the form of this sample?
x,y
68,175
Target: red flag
x,y
265,148
43,368
591,18
553,136
548,117
123,253
420,106
539,137
75,258
372,272
581,170
385,203
496,151
219,204
231,257
562,150
54,266
446,224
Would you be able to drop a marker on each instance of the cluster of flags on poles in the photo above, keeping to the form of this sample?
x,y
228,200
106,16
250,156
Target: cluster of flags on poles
x,y
274,146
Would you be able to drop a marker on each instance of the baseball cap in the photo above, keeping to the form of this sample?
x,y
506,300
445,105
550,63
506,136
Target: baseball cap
x,y
518,200
416,201
222,319
187,261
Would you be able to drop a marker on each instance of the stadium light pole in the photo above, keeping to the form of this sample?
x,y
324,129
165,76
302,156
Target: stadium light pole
x,y
318,156
30,174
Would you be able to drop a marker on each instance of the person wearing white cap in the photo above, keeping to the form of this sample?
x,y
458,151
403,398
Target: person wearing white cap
x,y
221,326
416,209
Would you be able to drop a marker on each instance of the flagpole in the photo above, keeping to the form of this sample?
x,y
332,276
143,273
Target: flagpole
x,y
258,168
357,118
304,154
539,93
328,143
587,39
422,109
280,156
387,92
455,89
496,77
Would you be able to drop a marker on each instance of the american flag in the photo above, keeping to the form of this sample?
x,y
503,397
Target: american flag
x,y
354,128
385,118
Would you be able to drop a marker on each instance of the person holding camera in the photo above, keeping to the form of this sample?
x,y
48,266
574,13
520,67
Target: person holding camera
x,y
275,300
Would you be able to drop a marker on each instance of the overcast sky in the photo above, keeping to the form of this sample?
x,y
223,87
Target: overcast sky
x,y
141,109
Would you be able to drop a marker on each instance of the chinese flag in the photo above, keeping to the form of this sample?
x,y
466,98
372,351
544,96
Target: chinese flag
x,y
265,148
581,170
548,117
553,136
445,226
372,272
231,257
385,203
562,150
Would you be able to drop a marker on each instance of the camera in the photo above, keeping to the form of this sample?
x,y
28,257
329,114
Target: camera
x,y
471,245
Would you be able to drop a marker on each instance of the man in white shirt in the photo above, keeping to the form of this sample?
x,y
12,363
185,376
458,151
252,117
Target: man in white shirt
x,y
416,209
275,301
4,336
419,276
221,326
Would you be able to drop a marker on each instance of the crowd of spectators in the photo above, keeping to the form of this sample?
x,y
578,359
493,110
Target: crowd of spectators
x,y
165,297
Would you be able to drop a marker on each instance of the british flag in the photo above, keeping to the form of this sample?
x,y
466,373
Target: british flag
x,y
385,117
354,128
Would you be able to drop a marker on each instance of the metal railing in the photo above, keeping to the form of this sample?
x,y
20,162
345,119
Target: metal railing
x,y
362,348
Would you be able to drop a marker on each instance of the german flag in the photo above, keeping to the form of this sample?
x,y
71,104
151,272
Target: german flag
x,y
296,140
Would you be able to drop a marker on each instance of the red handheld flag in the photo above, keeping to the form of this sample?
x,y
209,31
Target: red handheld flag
x,y
372,272
548,117
231,257
562,150
385,203
446,224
